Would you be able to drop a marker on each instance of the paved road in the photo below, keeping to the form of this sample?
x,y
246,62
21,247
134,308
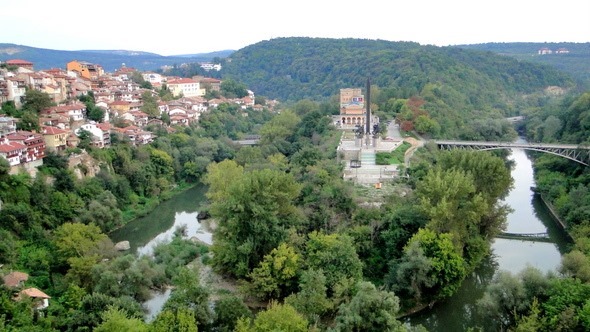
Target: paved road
x,y
393,131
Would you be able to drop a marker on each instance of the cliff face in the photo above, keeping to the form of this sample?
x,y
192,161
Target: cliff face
x,y
83,165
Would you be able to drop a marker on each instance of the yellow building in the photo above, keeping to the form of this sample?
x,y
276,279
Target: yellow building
x,y
85,69
352,107
55,138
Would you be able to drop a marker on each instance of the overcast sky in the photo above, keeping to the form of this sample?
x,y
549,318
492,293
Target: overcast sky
x,y
172,27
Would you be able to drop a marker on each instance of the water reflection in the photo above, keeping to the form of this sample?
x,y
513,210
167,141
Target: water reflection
x,y
529,216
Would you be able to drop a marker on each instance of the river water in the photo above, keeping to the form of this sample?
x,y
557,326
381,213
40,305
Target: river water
x,y
530,215
159,226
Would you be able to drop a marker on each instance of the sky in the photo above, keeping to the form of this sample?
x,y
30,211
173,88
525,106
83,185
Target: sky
x,y
174,27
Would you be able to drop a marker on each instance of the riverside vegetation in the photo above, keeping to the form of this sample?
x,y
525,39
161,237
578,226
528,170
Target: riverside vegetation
x,y
290,231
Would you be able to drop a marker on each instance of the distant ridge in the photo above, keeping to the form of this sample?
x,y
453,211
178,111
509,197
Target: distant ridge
x,y
110,60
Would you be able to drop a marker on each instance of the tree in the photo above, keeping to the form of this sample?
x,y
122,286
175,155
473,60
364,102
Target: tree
x,y
219,177
36,101
442,273
312,299
180,320
228,310
96,113
29,121
275,276
278,317
369,310
189,294
335,255
149,105
117,320
232,89
254,212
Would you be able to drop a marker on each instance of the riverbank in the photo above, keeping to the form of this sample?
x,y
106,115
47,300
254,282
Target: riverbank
x,y
555,216
145,206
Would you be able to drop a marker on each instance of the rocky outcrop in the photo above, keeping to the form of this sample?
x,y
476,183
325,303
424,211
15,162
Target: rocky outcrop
x,y
122,246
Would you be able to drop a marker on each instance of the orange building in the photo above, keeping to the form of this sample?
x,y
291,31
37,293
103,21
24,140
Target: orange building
x,y
85,69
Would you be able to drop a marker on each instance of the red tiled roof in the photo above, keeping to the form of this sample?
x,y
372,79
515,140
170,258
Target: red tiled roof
x,y
182,81
10,147
19,62
35,293
49,130
15,278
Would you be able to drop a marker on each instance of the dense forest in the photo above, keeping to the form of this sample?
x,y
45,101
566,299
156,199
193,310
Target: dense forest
x,y
575,62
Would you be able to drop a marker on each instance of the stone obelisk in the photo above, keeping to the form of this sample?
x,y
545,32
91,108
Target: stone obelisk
x,y
368,112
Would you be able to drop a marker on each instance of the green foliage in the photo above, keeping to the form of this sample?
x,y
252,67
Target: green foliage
x,y
116,320
180,320
312,299
335,255
369,310
36,101
228,310
276,273
254,213
430,269
278,317
189,294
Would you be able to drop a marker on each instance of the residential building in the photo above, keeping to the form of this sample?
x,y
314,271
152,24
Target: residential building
x,y
7,125
15,279
55,138
186,87
40,299
13,152
98,134
35,144
20,63
74,111
85,69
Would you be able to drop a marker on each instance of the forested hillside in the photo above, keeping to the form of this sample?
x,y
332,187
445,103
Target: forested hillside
x,y
298,68
575,62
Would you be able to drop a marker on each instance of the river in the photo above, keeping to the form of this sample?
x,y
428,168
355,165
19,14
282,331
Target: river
x,y
530,215
159,226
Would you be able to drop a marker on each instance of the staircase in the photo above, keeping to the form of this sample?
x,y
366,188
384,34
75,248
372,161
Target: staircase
x,y
367,158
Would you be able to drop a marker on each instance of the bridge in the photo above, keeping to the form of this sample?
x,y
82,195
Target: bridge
x,y
577,153
539,237
249,140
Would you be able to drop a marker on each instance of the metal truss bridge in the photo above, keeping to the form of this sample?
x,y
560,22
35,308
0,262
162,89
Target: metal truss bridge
x,y
577,153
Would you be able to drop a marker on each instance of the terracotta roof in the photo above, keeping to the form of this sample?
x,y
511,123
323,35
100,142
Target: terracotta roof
x,y
19,62
11,146
13,279
182,81
35,293
53,131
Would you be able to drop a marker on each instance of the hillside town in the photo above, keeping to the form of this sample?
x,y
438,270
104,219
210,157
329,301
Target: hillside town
x,y
115,93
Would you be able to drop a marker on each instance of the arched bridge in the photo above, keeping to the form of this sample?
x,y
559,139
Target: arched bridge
x,y
577,153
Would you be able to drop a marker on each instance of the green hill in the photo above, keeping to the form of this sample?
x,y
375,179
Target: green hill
x,y
316,68
576,62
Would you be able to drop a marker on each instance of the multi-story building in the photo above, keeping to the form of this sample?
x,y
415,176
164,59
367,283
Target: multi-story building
x,y
35,144
55,138
186,87
352,107
85,69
